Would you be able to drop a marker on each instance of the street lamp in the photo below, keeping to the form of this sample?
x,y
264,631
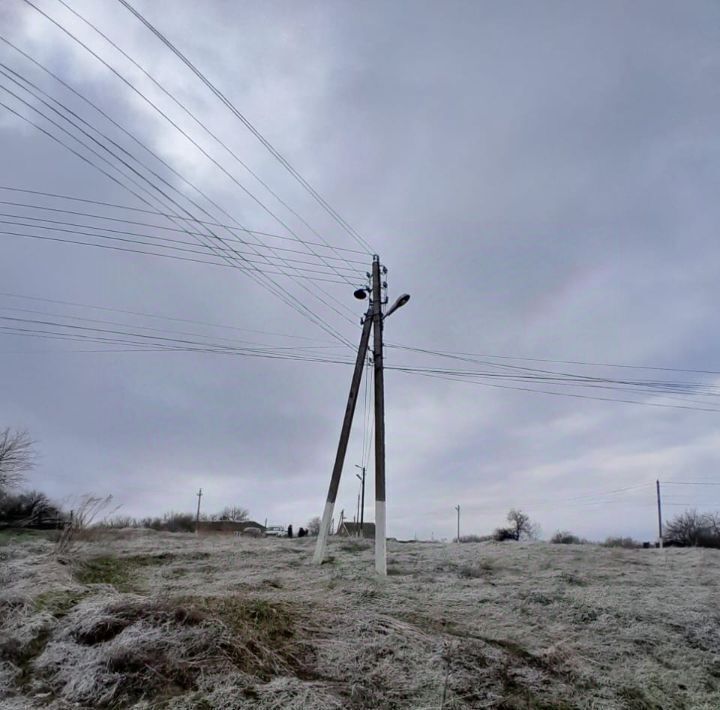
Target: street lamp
x,y
401,301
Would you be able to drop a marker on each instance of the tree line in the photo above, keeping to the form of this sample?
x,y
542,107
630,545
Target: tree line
x,y
34,509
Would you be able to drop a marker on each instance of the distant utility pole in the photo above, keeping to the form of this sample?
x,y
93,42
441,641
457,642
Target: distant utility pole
x,y
197,515
457,507
373,319
659,506
199,496
362,503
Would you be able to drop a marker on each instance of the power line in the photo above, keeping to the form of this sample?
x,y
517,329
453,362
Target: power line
x,y
167,242
463,356
668,389
277,289
232,341
71,331
273,286
201,124
77,242
151,315
113,154
556,394
131,86
107,218
281,159
134,138
552,374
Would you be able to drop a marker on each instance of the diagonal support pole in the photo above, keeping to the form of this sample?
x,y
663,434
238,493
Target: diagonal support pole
x,y
343,443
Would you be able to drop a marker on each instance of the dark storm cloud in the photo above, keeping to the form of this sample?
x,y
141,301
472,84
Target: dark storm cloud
x,y
540,178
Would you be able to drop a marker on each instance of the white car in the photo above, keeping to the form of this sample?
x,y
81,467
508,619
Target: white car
x,y
275,531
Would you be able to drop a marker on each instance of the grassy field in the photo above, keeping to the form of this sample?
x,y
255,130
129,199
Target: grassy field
x,y
151,620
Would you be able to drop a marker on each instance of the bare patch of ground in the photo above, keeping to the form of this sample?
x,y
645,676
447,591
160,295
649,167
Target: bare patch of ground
x,y
149,620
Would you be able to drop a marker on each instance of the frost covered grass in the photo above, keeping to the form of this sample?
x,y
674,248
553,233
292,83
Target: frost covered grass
x,y
150,620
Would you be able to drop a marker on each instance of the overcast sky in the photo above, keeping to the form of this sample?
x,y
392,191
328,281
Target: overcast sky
x,y
541,178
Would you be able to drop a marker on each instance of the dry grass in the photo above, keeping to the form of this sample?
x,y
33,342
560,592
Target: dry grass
x,y
169,620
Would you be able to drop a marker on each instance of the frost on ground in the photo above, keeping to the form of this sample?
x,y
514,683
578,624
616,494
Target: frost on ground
x,y
149,620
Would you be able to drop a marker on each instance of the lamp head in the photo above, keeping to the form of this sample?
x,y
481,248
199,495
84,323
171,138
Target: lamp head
x,y
401,301
360,294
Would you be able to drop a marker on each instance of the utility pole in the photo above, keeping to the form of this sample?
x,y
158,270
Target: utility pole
x,y
342,444
373,319
197,515
659,506
457,507
380,520
362,503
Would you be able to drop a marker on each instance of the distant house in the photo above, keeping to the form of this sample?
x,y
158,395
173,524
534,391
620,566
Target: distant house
x,y
227,527
354,530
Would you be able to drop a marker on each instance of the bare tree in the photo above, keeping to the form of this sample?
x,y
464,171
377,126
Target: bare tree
x,y
235,513
520,524
691,529
17,457
313,526
520,527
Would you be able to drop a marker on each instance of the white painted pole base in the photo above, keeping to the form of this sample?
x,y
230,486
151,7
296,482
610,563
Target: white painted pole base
x,y
380,546
321,544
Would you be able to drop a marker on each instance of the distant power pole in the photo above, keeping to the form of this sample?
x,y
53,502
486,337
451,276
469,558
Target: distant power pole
x,y
362,501
659,506
197,515
457,507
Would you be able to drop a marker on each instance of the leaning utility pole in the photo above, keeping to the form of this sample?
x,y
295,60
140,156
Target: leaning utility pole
x,y
659,506
380,522
342,444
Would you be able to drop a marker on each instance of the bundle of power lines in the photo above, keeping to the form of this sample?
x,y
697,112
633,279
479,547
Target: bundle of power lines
x,y
194,226
171,216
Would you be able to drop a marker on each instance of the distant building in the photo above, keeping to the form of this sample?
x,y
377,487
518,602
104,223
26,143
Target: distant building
x,y
354,529
227,527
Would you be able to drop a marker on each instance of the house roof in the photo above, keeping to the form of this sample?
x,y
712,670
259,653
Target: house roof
x,y
368,529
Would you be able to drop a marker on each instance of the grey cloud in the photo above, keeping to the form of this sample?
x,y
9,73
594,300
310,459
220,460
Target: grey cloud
x,y
539,178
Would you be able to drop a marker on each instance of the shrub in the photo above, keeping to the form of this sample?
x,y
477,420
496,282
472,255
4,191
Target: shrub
x,y
564,537
119,522
502,534
27,509
626,542
179,522
475,538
